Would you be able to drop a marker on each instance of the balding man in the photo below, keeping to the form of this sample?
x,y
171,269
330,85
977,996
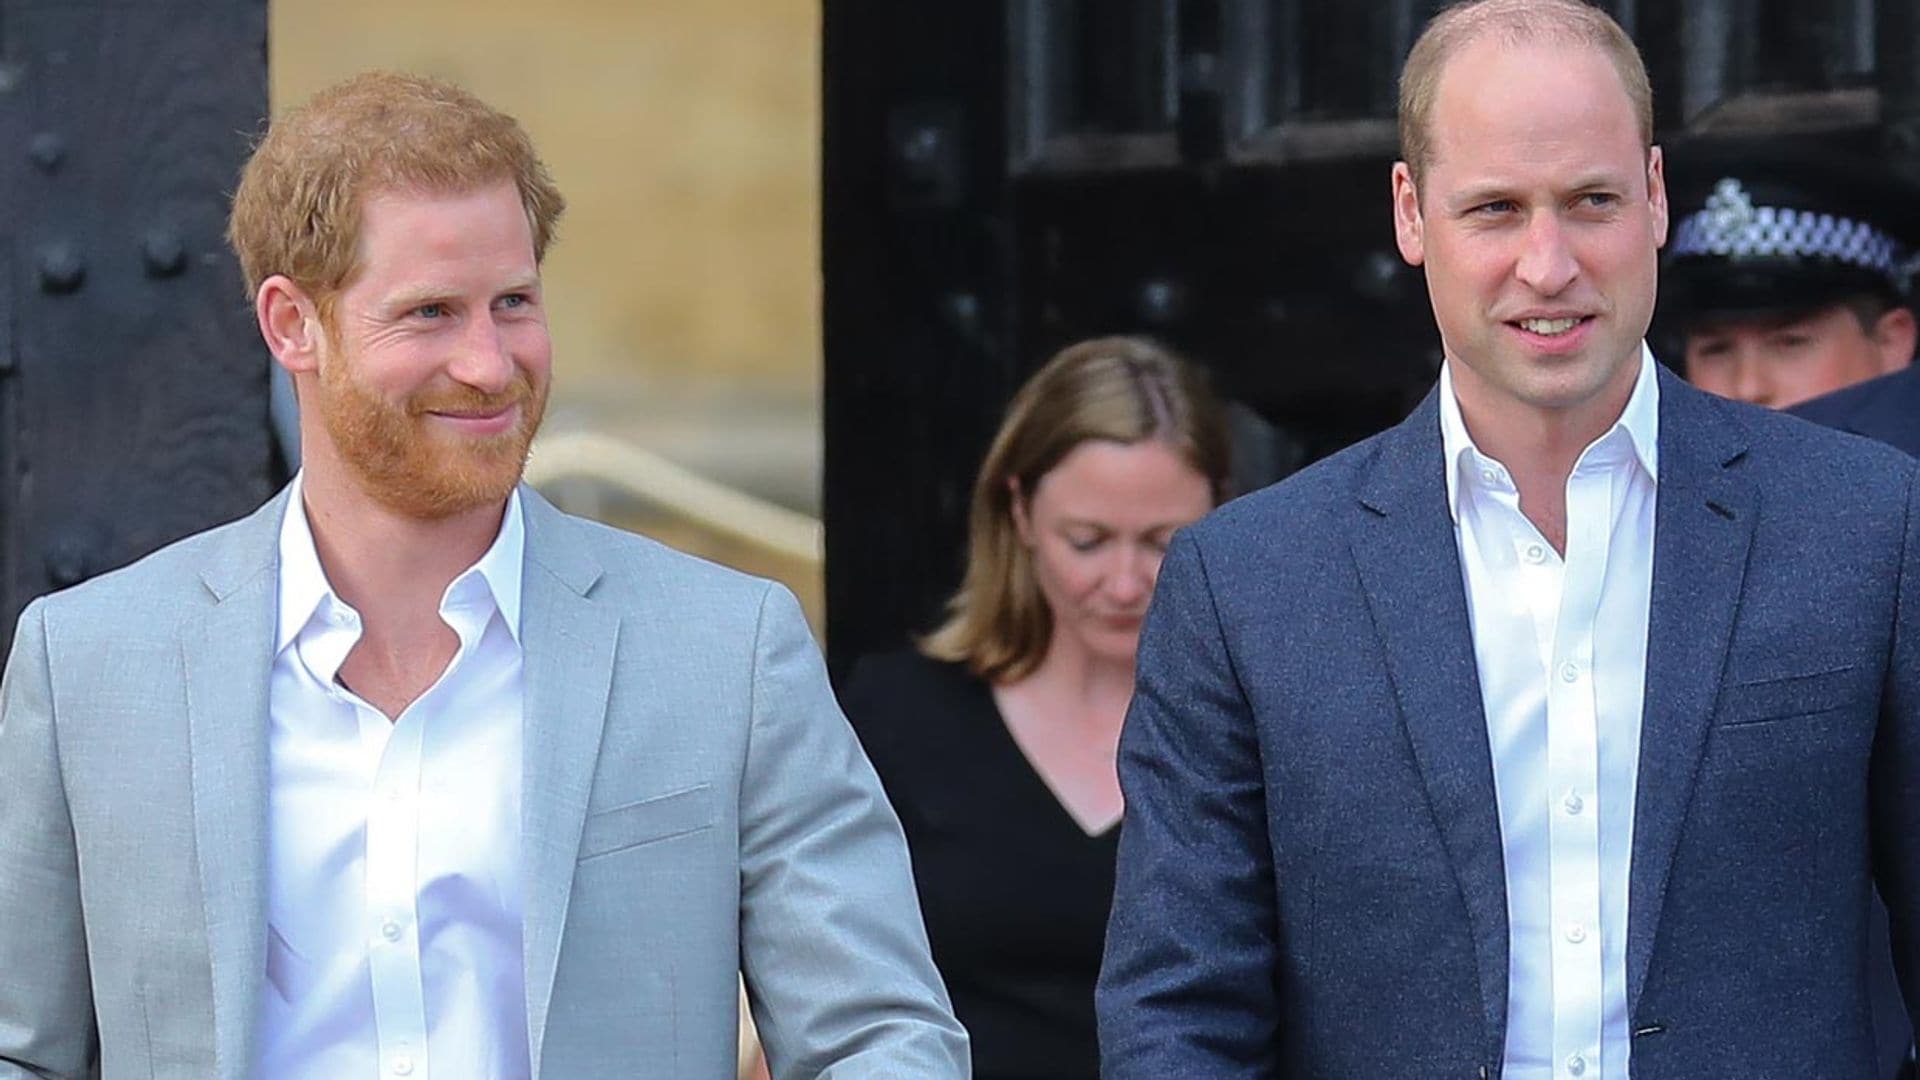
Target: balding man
x,y
1561,731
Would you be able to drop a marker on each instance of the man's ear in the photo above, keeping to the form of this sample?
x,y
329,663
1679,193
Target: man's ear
x,y
1894,335
1657,194
289,323
1409,231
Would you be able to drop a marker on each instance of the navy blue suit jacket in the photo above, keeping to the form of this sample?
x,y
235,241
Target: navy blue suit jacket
x,y
1310,873
1886,408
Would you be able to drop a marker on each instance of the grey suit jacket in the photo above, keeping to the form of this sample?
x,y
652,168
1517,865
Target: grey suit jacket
x,y
694,806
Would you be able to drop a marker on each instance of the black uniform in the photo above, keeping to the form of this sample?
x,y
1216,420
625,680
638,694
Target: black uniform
x,y
1886,408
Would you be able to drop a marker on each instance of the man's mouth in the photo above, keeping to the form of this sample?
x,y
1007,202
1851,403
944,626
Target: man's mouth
x,y
1551,327
469,406
474,414
484,422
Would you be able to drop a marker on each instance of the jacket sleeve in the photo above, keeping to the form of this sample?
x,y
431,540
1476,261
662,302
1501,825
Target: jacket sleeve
x,y
1894,780
1187,988
835,955
46,998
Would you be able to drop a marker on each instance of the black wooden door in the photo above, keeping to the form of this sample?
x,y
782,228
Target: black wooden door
x,y
133,392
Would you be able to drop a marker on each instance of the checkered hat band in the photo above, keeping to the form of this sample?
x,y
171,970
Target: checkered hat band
x,y
1775,231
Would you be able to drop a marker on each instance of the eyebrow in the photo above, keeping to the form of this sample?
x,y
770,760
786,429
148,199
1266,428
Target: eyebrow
x,y
1477,195
1086,523
435,294
1493,191
1767,323
1602,179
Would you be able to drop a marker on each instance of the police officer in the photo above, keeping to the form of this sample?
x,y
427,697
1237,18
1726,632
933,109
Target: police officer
x,y
1787,272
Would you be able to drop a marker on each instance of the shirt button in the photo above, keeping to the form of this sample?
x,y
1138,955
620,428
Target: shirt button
x,y
403,1066
1573,803
390,930
1489,476
1570,673
1536,553
1576,1065
1576,933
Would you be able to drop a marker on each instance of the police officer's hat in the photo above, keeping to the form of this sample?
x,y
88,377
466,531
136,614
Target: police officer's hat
x,y
1761,230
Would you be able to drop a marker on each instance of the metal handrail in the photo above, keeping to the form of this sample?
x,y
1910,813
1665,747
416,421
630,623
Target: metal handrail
x,y
653,479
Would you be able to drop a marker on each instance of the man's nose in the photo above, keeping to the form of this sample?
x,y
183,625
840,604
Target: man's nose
x,y
1752,382
1546,264
482,359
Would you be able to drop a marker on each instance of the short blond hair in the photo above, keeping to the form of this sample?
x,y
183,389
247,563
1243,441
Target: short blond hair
x,y
297,209
1514,22
1119,389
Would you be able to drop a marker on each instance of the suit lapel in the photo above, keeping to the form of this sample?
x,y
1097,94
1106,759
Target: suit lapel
x,y
1409,563
227,652
1703,523
568,641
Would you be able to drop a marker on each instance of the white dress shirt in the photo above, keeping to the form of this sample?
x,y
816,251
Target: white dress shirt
x,y
393,847
1561,647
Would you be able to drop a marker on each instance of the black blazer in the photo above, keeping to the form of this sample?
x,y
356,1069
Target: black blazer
x,y
1886,408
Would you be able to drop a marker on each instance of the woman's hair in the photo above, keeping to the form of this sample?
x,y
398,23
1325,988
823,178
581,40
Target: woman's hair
x,y
1118,389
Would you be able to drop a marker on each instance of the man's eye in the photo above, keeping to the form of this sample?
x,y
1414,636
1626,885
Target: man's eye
x,y
1600,200
1497,206
431,311
513,300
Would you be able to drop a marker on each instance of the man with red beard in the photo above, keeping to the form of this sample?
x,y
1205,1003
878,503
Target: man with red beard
x,y
409,774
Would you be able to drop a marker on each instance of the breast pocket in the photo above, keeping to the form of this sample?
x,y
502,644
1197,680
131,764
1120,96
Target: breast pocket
x,y
1812,688
648,821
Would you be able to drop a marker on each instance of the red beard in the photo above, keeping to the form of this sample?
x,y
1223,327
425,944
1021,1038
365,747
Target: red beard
x,y
405,462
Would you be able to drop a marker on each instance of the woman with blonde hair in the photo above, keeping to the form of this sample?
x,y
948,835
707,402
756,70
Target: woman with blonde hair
x,y
996,737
